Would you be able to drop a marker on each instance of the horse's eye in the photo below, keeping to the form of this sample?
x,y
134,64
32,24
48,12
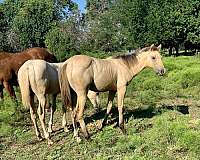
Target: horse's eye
x,y
153,58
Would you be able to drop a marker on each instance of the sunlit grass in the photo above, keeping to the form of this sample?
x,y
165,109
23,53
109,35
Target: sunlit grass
x,y
153,132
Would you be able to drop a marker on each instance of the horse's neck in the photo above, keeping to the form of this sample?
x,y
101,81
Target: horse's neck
x,y
137,68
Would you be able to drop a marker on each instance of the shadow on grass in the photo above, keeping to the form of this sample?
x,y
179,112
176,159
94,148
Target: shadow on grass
x,y
139,113
145,112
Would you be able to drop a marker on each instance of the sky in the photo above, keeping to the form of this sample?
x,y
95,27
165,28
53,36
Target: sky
x,y
81,4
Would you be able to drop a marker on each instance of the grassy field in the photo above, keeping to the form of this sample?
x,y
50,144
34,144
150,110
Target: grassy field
x,y
162,122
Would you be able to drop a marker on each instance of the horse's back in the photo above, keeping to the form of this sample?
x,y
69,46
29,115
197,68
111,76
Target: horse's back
x,y
40,53
81,60
45,76
4,55
84,71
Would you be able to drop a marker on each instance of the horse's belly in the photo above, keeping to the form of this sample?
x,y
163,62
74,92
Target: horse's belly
x,y
103,86
53,87
105,82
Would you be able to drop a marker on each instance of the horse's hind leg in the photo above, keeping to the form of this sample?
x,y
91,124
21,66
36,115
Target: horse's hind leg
x,y
41,113
33,117
53,108
64,119
111,96
73,114
81,104
9,89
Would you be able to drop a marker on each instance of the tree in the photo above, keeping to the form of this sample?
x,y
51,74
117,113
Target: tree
x,y
30,20
64,39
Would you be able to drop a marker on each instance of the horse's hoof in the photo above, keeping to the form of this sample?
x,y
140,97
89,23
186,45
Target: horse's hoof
x,y
50,130
87,136
123,130
102,125
50,142
39,138
100,128
66,130
78,139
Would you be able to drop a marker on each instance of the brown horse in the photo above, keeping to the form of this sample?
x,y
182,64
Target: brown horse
x,y
80,73
4,55
10,65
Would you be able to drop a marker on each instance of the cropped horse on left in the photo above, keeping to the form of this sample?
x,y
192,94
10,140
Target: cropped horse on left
x,y
11,62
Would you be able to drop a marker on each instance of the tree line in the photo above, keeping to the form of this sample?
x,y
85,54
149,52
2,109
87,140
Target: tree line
x,y
106,25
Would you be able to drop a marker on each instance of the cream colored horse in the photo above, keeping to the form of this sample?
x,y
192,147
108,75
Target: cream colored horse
x,y
81,73
41,78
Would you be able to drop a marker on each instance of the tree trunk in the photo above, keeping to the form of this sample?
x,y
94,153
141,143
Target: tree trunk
x,y
176,48
170,50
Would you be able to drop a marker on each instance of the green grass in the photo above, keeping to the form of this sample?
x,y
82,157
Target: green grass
x,y
155,128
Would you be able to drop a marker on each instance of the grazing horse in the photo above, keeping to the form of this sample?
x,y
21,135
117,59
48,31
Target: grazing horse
x,y
80,73
10,65
41,78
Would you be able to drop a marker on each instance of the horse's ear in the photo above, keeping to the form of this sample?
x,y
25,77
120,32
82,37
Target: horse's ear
x,y
151,47
159,47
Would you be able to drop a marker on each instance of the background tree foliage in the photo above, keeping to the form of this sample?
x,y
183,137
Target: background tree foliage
x,y
28,21
106,25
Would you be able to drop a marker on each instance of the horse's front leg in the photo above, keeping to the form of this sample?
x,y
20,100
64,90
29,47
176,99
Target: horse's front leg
x,y
120,100
53,109
111,96
94,99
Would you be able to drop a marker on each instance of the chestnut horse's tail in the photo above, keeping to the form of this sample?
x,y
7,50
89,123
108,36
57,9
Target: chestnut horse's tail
x,y
24,85
64,86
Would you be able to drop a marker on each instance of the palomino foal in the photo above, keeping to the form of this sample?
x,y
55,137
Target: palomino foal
x,y
81,73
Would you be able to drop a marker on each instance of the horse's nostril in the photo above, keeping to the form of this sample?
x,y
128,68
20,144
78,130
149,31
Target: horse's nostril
x,y
162,71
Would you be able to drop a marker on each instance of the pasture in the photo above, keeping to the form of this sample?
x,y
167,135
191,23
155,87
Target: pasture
x,y
161,114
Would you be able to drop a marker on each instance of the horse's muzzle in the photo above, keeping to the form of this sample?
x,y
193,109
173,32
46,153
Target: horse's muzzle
x,y
161,71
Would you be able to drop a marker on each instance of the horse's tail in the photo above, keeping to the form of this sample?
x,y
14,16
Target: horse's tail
x,y
24,84
64,86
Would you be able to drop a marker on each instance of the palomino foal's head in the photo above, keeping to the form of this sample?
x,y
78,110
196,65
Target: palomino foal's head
x,y
152,58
